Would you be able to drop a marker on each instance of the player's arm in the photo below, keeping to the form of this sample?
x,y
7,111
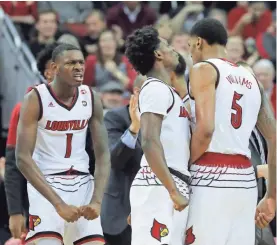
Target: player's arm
x,y
267,126
154,101
203,78
151,124
26,139
101,150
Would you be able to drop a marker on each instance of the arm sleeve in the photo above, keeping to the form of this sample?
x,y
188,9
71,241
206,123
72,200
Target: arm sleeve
x,y
129,140
155,97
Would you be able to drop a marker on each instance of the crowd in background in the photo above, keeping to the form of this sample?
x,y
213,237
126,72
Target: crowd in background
x,y
99,29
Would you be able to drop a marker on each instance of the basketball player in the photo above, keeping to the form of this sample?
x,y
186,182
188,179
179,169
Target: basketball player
x,y
15,183
160,185
226,104
50,153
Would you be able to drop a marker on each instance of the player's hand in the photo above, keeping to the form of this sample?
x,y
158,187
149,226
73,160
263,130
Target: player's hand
x,y
180,202
91,211
17,225
265,212
69,213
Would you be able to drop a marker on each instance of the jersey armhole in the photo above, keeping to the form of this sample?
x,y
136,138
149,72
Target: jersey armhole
x,y
173,101
40,103
217,71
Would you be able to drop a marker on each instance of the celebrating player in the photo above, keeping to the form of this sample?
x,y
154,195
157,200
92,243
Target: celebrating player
x,y
160,185
226,104
50,152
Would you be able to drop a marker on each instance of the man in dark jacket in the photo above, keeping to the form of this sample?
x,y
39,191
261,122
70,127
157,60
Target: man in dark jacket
x,y
123,127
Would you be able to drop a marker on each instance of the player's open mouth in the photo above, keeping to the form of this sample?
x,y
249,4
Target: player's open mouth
x,y
78,77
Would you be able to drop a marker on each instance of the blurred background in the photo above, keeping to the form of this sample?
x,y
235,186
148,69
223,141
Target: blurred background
x,y
99,28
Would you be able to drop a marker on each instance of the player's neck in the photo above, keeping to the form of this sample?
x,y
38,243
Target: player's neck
x,y
215,51
62,91
161,75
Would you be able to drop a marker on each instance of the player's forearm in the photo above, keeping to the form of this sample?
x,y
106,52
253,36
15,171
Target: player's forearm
x,y
33,174
271,160
154,154
200,141
101,175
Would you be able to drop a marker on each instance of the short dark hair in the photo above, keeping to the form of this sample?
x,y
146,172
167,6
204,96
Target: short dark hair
x,y
211,30
140,47
181,67
45,55
58,51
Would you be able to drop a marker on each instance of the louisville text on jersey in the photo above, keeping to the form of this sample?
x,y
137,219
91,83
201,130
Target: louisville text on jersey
x,y
66,125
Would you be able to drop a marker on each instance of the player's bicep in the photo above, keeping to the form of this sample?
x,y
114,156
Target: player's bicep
x,y
266,121
27,125
203,79
97,128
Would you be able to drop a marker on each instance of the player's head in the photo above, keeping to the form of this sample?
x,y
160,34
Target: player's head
x,y
178,75
44,61
68,64
146,50
205,34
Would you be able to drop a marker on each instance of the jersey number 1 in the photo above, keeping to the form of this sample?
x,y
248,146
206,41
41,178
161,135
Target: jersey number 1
x,y
68,145
236,118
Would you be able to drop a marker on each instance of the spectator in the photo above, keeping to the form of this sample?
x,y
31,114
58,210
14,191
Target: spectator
x,y
22,13
235,49
164,28
249,21
111,95
108,64
47,26
123,127
179,42
219,15
69,12
95,24
130,15
265,73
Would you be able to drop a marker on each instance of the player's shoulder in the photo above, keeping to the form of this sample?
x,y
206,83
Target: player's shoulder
x,y
155,85
85,89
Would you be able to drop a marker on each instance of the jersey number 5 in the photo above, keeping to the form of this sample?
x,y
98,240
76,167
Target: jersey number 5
x,y
68,145
236,117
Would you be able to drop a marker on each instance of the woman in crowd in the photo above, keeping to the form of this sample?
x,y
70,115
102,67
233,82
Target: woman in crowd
x,y
108,64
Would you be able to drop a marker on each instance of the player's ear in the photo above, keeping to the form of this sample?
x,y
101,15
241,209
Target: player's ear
x,y
199,43
54,67
158,54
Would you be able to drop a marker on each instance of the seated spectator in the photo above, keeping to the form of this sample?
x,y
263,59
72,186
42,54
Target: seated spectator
x,y
130,15
108,64
235,49
47,26
22,13
249,21
69,12
95,24
265,73
111,95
